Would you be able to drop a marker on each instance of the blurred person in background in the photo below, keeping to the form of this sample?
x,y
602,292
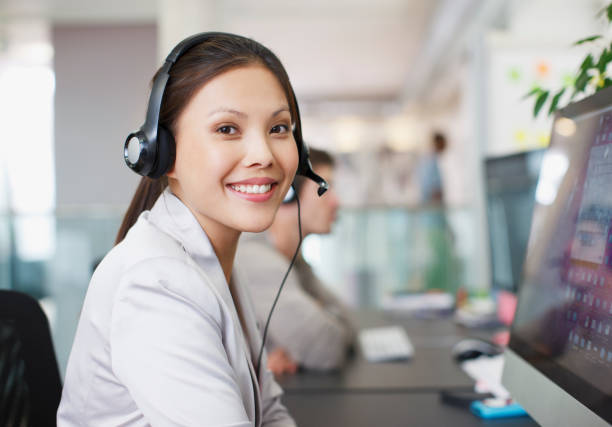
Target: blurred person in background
x,y
441,269
429,171
310,327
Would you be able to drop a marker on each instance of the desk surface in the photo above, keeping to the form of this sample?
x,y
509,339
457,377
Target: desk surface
x,y
385,409
431,368
390,394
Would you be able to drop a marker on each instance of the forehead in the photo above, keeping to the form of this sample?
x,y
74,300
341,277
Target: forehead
x,y
252,86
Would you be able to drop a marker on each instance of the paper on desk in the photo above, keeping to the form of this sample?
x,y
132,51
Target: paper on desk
x,y
487,372
419,302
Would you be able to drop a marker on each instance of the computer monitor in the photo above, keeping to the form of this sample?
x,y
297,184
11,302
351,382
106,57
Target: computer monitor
x,y
558,363
511,182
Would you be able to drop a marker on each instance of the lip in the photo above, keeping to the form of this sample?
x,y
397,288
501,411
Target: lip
x,y
254,181
252,197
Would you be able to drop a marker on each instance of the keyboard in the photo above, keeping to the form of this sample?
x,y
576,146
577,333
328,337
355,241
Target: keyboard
x,y
385,344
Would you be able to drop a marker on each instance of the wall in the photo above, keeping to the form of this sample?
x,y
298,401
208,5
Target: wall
x,y
102,81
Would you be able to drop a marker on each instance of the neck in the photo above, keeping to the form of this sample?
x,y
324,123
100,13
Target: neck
x,y
224,246
284,233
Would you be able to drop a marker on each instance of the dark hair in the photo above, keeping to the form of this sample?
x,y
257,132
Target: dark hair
x,y
439,142
317,158
192,70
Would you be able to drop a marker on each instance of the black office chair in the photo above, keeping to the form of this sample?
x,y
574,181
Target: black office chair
x,y
30,384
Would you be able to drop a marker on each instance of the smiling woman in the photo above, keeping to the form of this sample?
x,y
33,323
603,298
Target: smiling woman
x,y
168,335
221,151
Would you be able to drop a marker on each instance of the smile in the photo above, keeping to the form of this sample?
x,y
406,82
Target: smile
x,y
261,191
252,189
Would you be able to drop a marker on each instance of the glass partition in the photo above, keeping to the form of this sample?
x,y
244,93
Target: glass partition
x,y
371,254
382,252
59,279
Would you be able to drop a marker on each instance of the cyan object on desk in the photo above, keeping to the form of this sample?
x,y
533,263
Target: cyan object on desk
x,y
480,409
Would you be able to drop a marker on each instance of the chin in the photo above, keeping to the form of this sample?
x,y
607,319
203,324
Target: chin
x,y
256,226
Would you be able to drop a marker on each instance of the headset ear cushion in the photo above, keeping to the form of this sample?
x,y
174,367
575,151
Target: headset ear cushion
x,y
166,151
291,195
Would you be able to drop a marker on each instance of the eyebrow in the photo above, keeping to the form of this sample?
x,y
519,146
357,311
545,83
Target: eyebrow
x,y
283,109
227,110
243,115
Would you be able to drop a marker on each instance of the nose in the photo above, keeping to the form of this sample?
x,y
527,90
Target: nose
x,y
332,200
258,153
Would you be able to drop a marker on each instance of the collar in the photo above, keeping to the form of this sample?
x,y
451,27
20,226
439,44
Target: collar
x,y
173,217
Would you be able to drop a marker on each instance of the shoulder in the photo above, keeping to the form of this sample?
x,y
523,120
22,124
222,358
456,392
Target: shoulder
x,y
149,262
144,247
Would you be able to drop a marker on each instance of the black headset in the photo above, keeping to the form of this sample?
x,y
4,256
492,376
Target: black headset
x,y
150,151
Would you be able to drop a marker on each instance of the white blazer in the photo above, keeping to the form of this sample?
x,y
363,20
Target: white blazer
x,y
160,342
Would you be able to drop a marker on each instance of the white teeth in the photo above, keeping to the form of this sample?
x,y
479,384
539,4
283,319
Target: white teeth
x,y
253,189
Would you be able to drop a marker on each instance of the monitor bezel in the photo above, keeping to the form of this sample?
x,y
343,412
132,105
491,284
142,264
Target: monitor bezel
x,y
545,401
581,390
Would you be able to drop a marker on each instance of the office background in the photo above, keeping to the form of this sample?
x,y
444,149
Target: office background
x,y
374,80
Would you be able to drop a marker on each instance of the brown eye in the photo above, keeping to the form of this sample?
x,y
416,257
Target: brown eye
x,y
227,130
279,129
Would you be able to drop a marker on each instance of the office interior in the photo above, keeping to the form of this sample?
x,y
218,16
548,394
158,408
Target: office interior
x,y
374,81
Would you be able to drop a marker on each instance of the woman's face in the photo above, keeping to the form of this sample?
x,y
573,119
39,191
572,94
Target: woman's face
x,y
235,151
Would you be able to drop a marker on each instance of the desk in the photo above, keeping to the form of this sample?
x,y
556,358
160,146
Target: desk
x,y
385,409
389,394
431,368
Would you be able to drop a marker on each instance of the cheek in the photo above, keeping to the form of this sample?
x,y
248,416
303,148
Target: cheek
x,y
186,155
294,159
205,160
287,156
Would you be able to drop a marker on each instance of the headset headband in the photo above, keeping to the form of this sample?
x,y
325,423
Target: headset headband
x,y
159,85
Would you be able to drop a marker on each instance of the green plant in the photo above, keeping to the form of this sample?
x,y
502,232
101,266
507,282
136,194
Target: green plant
x,y
594,73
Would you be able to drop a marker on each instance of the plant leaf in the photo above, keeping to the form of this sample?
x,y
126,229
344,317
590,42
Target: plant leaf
x,y
587,40
607,57
532,92
603,60
581,81
609,12
587,63
555,101
540,100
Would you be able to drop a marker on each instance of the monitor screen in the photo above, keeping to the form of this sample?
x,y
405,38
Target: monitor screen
x,y
511,182
563,324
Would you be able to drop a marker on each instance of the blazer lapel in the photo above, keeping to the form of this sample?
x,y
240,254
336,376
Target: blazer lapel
x,y
177,220
250,339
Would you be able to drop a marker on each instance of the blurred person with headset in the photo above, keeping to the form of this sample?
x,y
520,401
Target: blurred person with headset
x,y
311,327
167,334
